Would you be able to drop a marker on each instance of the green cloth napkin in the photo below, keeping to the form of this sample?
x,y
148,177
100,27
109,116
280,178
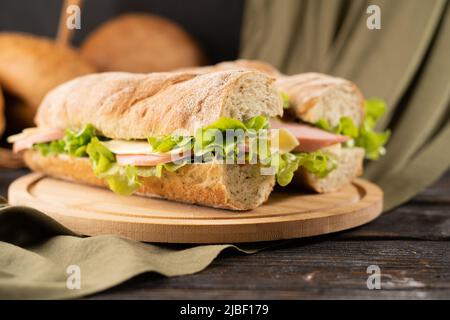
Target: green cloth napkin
x,y
36,252
406,62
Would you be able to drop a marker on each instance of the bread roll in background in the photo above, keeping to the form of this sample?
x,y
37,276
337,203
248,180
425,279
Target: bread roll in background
x,y
30,66
141,43
2,115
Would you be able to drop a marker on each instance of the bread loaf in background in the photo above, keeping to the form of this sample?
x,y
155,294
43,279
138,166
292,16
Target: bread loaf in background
x,y
2,114
141,43
30,65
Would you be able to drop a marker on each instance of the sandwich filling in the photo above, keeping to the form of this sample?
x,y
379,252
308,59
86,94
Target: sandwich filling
x,y
346,133
123,164
365,136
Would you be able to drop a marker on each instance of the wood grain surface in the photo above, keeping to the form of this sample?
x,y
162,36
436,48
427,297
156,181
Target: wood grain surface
x,y
95,211
411,244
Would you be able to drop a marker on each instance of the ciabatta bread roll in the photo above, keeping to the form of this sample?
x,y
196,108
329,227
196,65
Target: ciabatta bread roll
x,y
316,96
137,42
137,106
313,97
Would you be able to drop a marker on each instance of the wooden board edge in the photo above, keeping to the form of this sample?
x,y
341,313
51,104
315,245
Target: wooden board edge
x,y
369,208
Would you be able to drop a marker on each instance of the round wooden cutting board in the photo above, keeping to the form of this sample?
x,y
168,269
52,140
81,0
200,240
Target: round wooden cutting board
x,y
95,211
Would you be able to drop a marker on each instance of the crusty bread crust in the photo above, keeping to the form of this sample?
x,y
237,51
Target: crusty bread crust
x,y
235,187
314,96
135,106
349,166
257,65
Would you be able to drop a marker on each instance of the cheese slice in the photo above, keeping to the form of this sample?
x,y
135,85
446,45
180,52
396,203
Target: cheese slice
x,y
283,140
128,147
137,147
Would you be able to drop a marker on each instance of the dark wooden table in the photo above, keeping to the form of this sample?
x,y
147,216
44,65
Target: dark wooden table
x,y
410,245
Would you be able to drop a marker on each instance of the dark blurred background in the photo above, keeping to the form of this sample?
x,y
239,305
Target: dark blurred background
x,y
215,24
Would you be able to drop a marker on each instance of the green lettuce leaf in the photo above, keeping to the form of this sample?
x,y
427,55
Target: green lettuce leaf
x,y
126,179
75,143
157,171
372,141
168,142
225,123
345,127
205,146
318,163
121,179
257,123
374,109
50,149
285,166
365,137
324,125
285,98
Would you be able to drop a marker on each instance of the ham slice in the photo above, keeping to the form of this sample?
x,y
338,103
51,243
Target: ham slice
x,y
145,160
310,138
40,136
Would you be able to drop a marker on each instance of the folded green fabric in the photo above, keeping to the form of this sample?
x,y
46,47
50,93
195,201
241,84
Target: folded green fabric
x,y
41,259
405,63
